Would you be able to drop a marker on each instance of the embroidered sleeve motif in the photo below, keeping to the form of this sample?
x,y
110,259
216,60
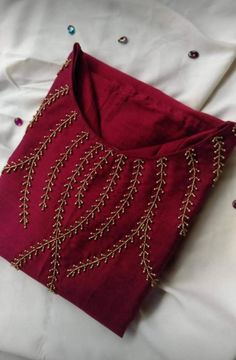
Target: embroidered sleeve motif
x,y
141,231
89,177
124,202
32,162
47,101
218,144
52,176
54,242
192,188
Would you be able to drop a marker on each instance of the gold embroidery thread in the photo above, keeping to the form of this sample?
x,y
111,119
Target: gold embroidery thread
x,y
56,246
32,162
218,160
54,242
124,202
89,177
47,101
65,65
148,220
192,188
62,202
144,225
79,139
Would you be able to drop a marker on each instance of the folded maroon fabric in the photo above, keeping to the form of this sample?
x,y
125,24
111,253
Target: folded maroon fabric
x,y
104,185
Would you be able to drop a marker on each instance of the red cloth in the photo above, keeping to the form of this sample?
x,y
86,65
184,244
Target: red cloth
x,y
104,185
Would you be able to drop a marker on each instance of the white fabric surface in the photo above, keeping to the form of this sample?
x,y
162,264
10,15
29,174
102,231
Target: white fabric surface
x,y
193,313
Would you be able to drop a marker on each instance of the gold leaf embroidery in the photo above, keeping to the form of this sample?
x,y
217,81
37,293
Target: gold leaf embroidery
x,y
54,269
32,162
65,65
79,139
147,220
56,246
72,180
124,202
142,226
54,242
20,164
190,156
89,177
218,161
99,202
37,152
34,250
47,101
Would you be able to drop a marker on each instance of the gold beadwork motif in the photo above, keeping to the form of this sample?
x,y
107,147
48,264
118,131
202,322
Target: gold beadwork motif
x,y
141,230
100,201
49,100
56,246
79,139
147,220
89,177
65,65
124,202
34,250
54,242
218,160
32,161
185,209
89,154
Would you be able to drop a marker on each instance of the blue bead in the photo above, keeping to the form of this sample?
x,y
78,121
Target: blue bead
x,y
71,29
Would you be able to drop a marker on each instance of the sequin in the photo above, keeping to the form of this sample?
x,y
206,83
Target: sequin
x,y
71,29
18,121
193,54
123,40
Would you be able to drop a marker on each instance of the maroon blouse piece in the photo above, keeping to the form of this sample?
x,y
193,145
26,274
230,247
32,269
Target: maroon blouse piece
x,y
104,185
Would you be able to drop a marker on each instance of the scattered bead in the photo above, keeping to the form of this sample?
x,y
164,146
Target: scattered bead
x,y
71,29
123,40
193,54
234,204
18,121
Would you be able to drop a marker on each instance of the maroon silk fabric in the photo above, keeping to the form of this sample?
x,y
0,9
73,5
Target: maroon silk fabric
x,y
104,185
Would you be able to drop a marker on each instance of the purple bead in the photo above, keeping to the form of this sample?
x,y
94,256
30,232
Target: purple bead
x,y
193,54
18,121
234,204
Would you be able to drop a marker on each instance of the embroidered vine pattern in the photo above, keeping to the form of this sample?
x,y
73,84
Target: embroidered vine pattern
x,y
52,176
49,100
192,188
56,247
54,242
89,177
72,179
147,220
33,250
124,202
32,161
218,161
65,65
141,230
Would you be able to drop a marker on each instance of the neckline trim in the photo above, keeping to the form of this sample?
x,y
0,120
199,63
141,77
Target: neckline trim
x,y
130,153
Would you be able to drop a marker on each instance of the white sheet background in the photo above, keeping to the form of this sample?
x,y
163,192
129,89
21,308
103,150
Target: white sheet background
x,y
192,315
